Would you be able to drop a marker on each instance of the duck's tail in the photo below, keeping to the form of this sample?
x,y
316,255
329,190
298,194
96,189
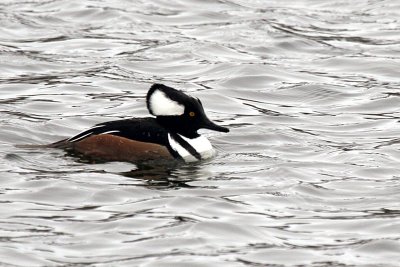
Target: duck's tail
x,y
63,144
60,144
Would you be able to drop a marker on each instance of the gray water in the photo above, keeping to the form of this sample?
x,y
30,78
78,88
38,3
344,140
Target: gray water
x,y
308,176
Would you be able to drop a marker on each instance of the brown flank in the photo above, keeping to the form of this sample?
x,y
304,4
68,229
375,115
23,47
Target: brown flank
x,y
115,148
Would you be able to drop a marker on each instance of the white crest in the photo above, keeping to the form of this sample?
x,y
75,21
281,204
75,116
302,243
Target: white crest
x,y
162,105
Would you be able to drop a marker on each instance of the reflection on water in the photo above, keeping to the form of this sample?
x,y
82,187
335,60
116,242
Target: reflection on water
x,y
307,176
167,177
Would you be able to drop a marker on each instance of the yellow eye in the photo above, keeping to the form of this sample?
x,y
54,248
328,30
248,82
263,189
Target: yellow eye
x,y
192,114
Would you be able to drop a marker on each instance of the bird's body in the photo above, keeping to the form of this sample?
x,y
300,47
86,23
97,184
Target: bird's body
x,y
171,134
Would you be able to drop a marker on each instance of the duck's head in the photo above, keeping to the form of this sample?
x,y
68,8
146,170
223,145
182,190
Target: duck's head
x,y
178,111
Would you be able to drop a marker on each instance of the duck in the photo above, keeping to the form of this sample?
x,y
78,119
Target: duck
x,y
171,134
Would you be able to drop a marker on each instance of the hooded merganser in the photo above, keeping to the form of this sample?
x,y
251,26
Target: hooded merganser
x,y
171,134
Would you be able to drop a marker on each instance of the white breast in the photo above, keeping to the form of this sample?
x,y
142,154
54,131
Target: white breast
x,y
200,144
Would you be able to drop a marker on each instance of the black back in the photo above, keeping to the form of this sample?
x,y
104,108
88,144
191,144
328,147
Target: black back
x,y
139,129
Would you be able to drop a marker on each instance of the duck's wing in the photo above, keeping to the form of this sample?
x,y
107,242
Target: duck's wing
x,y
138,129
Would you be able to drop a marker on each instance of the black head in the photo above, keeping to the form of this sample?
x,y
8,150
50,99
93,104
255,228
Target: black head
x,y
179,112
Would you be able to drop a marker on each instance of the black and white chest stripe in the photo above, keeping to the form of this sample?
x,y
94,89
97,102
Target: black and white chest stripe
x,y
191,150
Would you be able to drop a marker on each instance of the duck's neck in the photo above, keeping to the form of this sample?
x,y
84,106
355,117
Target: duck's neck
x,y
177,125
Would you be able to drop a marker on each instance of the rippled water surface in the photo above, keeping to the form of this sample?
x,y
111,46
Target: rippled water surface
x,y
308,176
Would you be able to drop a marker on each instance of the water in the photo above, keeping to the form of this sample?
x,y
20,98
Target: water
x,y
308,176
